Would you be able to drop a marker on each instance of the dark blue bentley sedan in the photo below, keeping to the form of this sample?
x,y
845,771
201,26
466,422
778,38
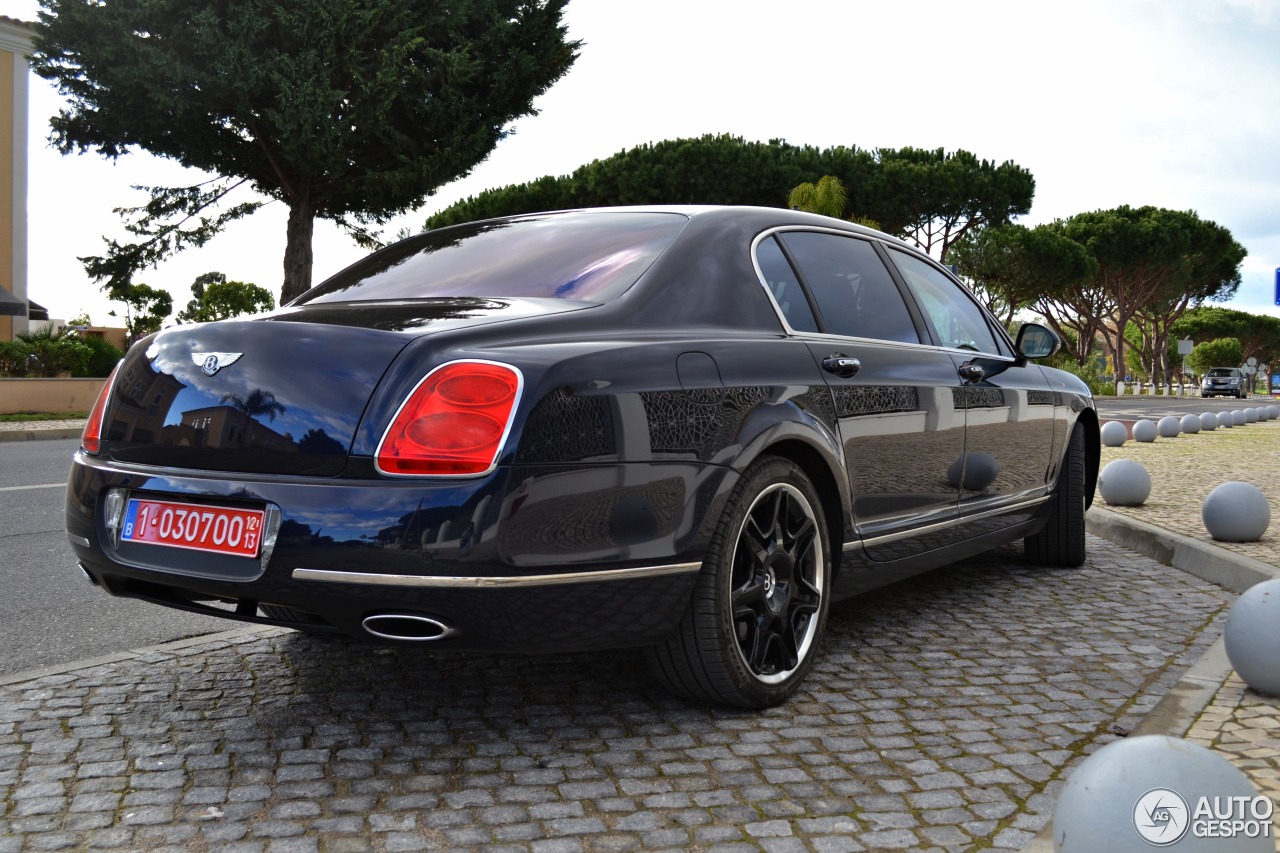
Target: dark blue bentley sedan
x,y
687,429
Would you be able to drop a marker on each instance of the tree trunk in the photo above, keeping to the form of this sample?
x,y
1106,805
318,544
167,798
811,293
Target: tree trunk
x,y
1161,346
297,249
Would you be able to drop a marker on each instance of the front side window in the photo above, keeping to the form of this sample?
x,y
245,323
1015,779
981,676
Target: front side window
x,y
855,294
957,320
592,257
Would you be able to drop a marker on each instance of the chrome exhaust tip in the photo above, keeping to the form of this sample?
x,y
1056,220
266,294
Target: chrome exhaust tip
x,y
407,627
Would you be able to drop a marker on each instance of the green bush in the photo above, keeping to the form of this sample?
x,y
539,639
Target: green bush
x,y
1220,352
13,358
102,359
1091,375
56,351
1091,372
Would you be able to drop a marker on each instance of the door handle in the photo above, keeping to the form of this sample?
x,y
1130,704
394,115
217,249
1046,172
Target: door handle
x,y
971,372
841,365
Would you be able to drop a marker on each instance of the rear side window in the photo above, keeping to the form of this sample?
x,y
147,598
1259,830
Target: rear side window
x,y
853,289
957,320
593,257
784,287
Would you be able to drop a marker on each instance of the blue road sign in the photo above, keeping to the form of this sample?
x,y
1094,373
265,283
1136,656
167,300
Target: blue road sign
x,y
1278,285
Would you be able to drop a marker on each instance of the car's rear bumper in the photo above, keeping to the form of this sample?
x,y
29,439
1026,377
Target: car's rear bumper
x,y
525,559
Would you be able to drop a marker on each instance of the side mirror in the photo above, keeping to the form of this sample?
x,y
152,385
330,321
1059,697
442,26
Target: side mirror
x,y
1036,341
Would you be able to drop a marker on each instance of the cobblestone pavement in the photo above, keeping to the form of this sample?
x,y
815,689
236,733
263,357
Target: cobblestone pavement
x,y
1245,726
942,715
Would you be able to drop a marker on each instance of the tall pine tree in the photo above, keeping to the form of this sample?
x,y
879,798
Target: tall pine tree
x,y
347,110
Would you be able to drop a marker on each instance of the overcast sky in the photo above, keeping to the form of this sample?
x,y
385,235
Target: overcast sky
x,y
1173,103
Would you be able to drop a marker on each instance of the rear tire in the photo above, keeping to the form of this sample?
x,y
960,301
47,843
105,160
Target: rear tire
x,y
1061,542
759,608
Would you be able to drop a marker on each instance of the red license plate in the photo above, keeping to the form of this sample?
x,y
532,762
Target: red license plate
x,y
217,529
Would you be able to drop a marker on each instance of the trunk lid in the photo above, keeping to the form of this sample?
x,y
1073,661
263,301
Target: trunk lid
x,y
281,393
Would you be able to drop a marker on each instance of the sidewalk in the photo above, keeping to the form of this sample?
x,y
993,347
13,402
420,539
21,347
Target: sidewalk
x,y
36,430
1210,705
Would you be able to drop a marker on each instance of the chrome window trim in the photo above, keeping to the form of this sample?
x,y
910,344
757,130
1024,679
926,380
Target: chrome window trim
x,y
777,309
826,336
993,326
454,582
943,525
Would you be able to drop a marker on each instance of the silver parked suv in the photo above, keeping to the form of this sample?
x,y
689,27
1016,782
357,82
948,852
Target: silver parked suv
x,y
1228,381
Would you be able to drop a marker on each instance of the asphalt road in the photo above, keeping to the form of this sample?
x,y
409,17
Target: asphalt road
x,y
50,613
1154,407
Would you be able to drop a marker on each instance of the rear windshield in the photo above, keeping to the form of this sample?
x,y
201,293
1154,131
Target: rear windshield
x,y
592,257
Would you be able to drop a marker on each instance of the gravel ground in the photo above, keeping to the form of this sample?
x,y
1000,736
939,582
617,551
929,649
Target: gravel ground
x,y
1186,468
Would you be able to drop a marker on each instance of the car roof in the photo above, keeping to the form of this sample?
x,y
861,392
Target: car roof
x,y
768,217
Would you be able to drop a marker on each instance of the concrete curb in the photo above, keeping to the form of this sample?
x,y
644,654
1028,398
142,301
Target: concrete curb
x,y
1178,709
39,434
248,631
1206,561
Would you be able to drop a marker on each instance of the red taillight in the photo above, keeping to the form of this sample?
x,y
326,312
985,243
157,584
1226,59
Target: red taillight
x,y
91,438
454,421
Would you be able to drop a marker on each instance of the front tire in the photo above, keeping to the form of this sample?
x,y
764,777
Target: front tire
x,y
1061,541
760,604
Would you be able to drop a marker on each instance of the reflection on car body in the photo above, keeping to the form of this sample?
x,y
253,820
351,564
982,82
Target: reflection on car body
x,y
687,429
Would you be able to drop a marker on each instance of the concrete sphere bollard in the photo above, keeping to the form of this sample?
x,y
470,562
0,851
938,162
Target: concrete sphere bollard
x,y
1239,418
1209,421
1226,420
1190,424
978,469
1114,434
1253,636
1168,427
1124,482
1273,412
1236,512
1251,415
1145,791
1144,430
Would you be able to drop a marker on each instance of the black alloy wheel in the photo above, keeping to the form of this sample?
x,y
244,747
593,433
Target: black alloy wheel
x,y
760,604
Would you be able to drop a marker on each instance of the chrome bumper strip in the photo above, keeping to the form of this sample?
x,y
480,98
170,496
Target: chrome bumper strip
x,y
79,540
943,525
329,576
